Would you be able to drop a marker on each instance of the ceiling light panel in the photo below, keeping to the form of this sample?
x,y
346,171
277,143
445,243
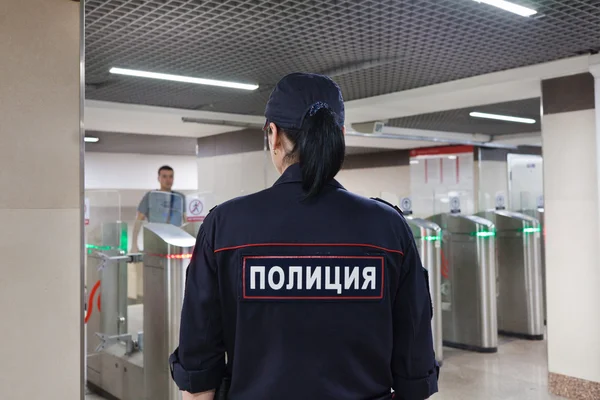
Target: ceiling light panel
x,y
180,78
510,7
498,117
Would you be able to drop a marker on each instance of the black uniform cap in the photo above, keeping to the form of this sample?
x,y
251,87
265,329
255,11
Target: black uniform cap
x,y
298,95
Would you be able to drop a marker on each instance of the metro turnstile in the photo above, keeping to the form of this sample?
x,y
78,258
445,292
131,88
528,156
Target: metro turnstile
x,y
428,239
141,373
106,304
468,282
539,215
520,291
168,250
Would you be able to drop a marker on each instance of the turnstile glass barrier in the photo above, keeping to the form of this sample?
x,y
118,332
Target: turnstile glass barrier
x,y
520,295
468,282
168,250
112,325
106,292
128,346
106,313
428,239
165,207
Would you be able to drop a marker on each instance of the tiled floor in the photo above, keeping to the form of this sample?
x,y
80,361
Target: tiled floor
x,y
517,372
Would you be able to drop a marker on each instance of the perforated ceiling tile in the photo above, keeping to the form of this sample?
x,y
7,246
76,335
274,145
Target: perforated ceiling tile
x,y
460,121
370,47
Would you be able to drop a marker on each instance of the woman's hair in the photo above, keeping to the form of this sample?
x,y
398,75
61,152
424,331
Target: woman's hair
x,y
319,147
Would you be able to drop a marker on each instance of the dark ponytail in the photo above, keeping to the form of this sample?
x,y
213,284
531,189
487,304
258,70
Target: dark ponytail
x,y
320,148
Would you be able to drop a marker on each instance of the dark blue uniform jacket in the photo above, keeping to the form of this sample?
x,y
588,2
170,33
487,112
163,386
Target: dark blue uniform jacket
x,y
310,300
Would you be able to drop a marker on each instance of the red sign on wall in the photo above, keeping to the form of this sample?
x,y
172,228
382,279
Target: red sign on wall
x,y
435,151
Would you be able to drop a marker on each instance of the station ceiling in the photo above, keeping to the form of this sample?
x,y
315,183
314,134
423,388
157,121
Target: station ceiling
x,y
460,121
370,47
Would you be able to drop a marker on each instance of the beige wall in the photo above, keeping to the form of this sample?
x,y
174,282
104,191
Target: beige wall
x,y
232,175
40,297
371,182
491,177
137,171
572,260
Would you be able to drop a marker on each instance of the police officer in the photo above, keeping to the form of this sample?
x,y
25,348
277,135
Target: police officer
x,y
304,290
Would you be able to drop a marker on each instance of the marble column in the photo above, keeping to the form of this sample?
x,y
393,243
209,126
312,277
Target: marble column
x,y
40,200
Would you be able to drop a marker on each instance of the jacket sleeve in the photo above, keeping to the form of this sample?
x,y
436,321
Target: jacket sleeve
x,y
414,368
198,364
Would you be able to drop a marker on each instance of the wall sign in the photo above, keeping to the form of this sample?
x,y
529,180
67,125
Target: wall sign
x,y
500,201
455,205
540,201
196,209
436,173
406,205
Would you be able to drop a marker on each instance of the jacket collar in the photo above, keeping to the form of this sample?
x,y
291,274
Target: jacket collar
x,y
293,174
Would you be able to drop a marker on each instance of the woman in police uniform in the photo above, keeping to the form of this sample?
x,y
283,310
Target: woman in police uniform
x,y
314,293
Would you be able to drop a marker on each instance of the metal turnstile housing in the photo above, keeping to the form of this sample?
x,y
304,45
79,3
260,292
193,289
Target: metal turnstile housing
x,y
468,282
192,228
428,239
520,291
539,215
167,255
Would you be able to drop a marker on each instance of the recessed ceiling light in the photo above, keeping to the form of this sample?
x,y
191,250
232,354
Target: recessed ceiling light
x,y
180,78
414,162
452,157
90,139
502,117
510,7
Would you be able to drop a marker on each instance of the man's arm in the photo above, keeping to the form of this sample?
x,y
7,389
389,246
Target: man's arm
x,y
198,364
142,213
136,232
414,369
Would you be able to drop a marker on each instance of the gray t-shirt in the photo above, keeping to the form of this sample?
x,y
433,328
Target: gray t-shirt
x,y
163,207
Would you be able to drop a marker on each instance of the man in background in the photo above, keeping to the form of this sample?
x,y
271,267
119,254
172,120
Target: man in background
x,y
163,206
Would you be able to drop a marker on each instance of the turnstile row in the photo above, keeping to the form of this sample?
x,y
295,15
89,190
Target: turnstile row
x,y
485,276
490,275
